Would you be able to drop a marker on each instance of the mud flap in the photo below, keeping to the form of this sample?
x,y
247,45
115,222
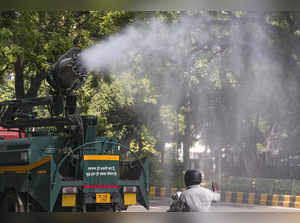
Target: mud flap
x,y
135,173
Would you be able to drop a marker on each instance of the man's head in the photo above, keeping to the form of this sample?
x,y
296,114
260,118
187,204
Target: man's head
x,y
192,177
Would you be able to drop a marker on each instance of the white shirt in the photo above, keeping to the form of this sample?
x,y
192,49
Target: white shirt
x,y
198,198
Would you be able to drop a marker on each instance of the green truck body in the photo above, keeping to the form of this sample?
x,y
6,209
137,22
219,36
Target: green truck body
x,y
34,170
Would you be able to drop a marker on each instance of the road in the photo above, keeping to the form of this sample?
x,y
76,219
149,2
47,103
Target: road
x,y
162,204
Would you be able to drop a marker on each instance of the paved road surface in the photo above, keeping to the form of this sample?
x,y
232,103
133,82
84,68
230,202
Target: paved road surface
x,y
162,204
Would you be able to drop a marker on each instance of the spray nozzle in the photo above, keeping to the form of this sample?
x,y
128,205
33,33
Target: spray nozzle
x,y
68,73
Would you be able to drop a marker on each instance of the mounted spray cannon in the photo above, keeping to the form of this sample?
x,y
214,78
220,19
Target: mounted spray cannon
x,y
69,169
65,76
68,73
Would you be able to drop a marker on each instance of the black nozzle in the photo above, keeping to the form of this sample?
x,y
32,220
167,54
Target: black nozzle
x,y
78,67
68,73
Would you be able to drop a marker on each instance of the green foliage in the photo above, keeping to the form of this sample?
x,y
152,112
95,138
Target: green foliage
x,y
169,174
6,90
260,185
120,104
237,184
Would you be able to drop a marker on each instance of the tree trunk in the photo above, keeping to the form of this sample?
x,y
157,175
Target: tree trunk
x,y
19,78
162,155
249,151
35,82
186,155
250,161
187,143
161,148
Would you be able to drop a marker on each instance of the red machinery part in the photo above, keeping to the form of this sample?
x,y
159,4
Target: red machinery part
x,y
10,134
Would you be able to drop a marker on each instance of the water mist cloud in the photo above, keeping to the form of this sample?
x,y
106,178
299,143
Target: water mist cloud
x,y
200,55
153,41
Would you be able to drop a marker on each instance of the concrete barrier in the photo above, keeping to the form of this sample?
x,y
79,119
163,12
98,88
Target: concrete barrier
x,y
261,199
239,197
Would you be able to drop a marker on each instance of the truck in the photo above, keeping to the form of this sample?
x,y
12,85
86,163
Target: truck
x,y
58,163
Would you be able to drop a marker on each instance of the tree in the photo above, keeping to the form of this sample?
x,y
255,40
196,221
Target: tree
x,y
30,41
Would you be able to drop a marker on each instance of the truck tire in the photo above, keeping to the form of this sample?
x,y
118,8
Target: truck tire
x,y
11,202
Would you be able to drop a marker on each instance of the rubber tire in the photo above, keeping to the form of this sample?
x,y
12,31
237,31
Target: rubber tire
x,y
11,202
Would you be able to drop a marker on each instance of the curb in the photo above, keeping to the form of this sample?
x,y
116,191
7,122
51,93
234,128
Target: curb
x,y
239,197
261,199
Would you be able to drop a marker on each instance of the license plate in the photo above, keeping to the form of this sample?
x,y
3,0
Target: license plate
x,y
103,198
129,198
68,200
